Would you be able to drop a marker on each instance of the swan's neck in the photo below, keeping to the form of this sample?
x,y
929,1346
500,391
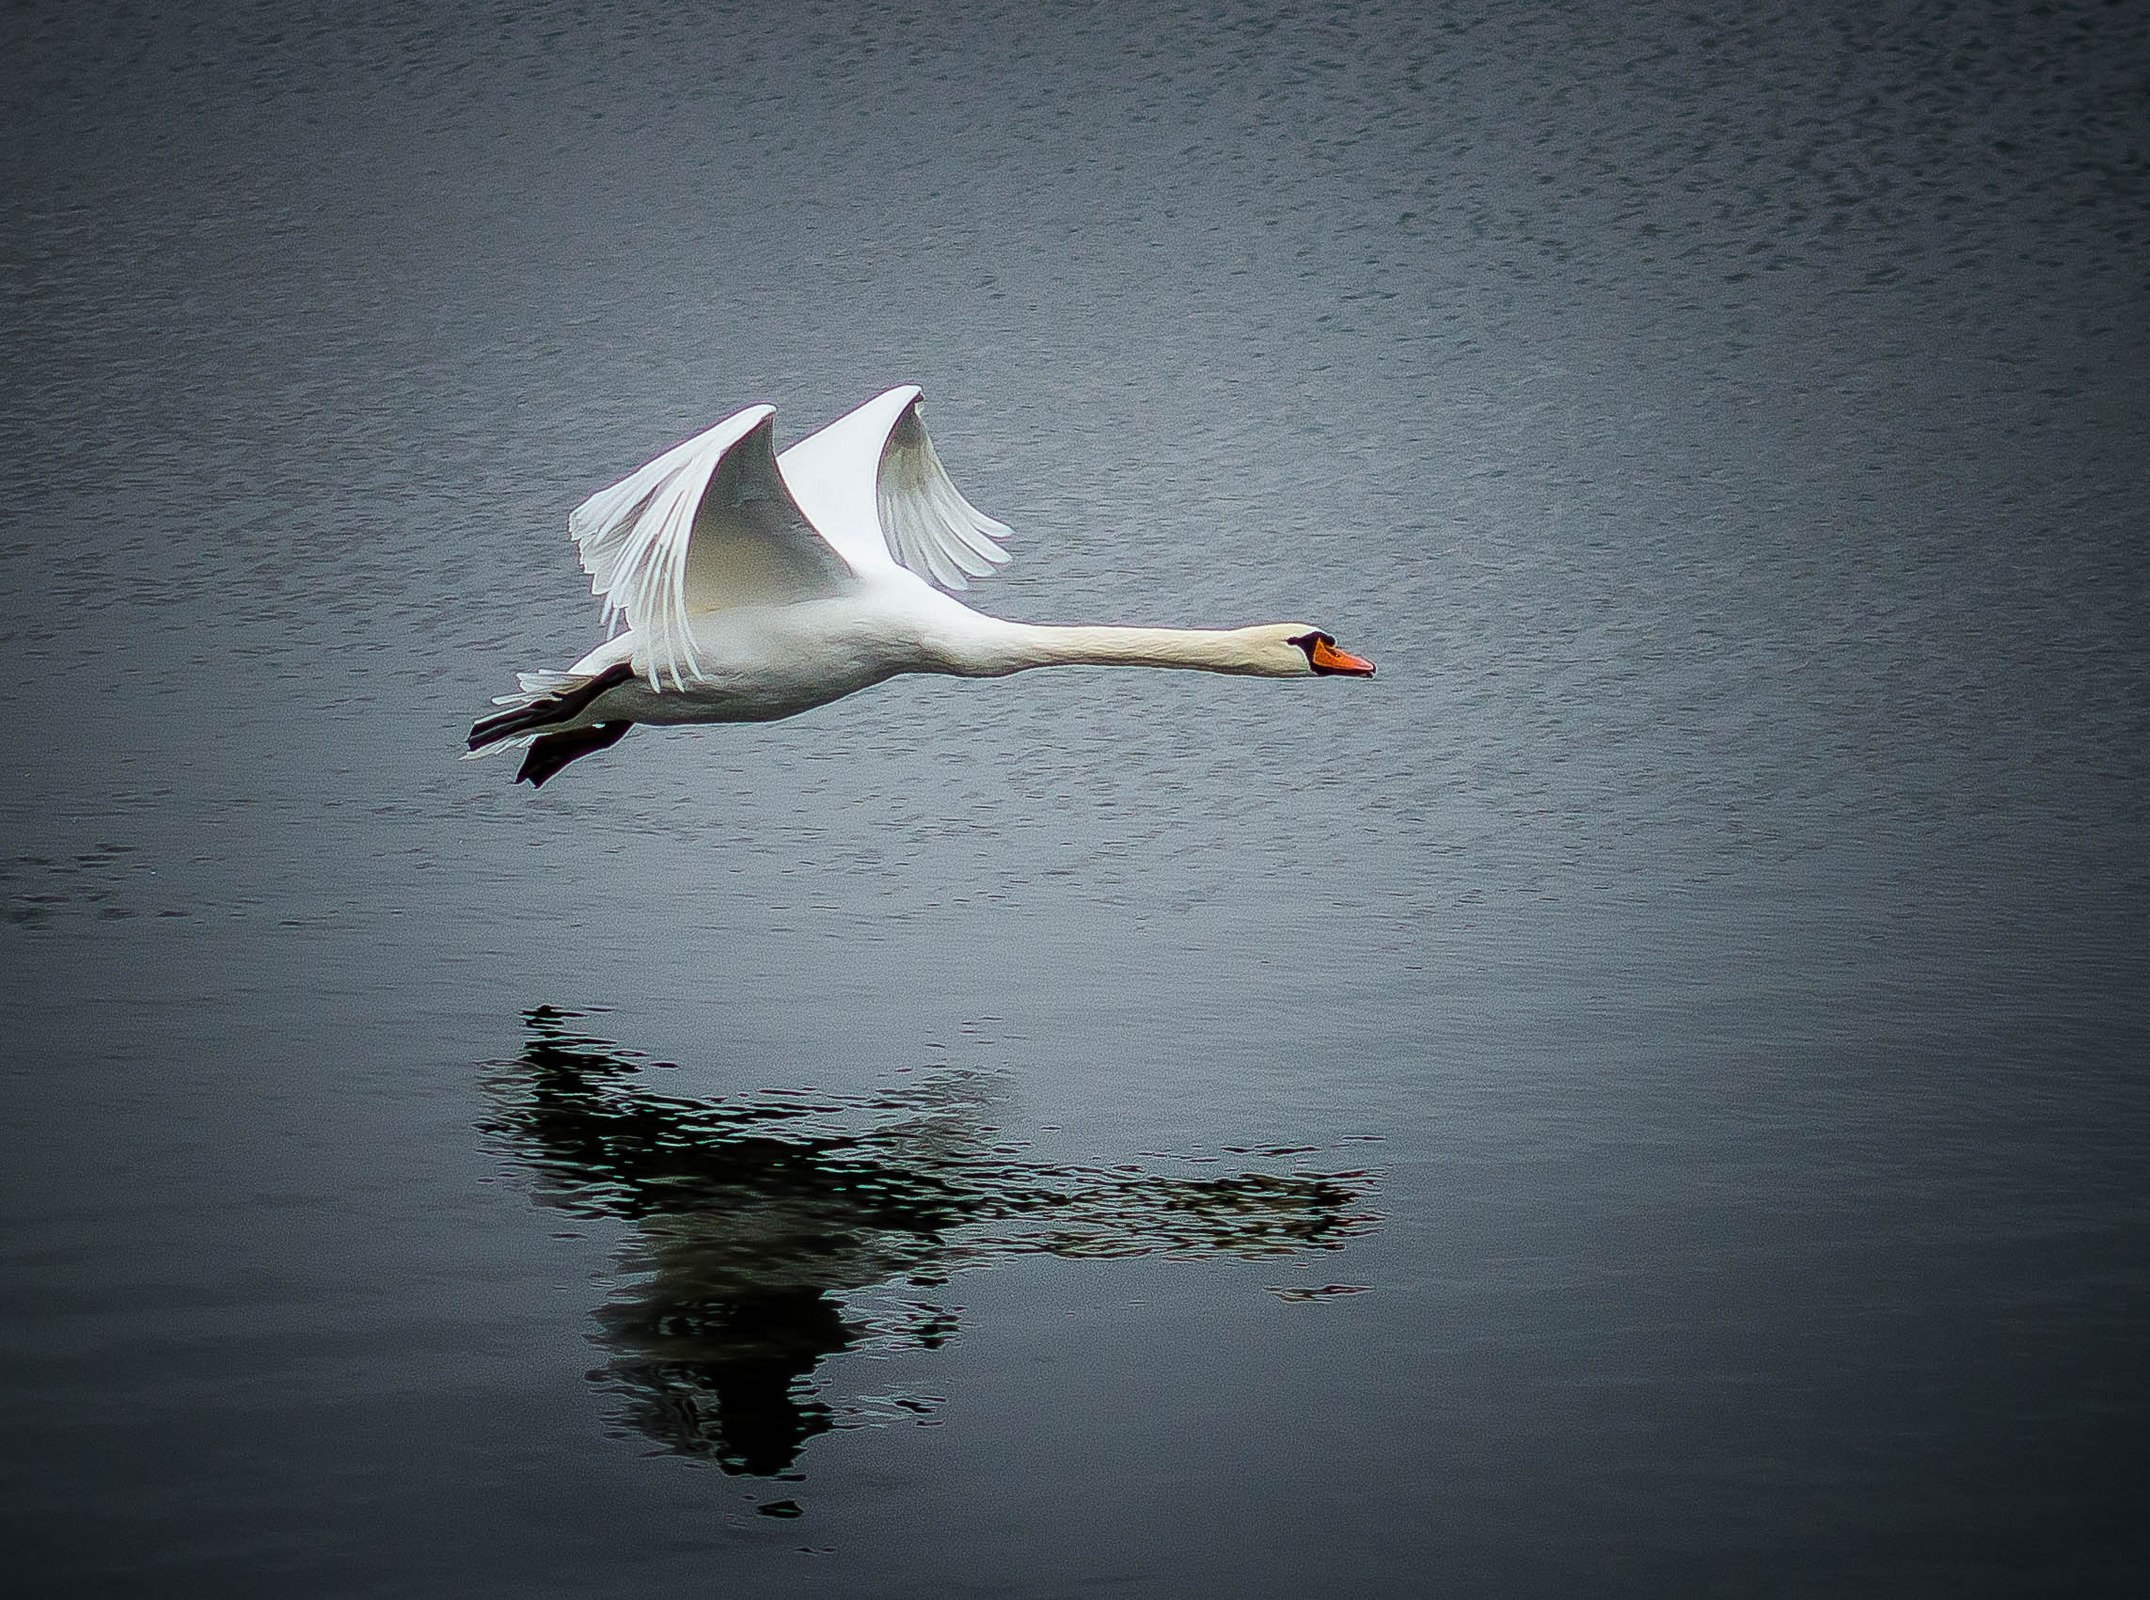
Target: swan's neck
x,y
1017,646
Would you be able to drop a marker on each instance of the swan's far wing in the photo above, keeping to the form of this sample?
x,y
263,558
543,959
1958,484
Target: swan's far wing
x,y
872,485
933,530
707,526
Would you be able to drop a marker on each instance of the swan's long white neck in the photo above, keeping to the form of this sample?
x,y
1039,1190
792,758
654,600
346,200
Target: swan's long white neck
x,y
1007,647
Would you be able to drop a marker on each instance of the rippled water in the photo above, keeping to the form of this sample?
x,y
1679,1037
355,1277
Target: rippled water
x,y
1647,1095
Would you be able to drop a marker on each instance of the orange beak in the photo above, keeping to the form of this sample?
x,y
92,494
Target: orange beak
x,y
1327,658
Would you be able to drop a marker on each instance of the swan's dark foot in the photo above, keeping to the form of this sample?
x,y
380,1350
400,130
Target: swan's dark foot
x,y
548,753
554,708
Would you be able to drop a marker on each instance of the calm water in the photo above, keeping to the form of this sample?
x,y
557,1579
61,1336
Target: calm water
x,y
1647,1096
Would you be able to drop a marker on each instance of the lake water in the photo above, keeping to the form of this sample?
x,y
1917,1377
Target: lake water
x,y
1646,1096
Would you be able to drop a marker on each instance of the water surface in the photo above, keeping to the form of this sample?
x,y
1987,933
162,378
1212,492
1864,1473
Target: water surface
x,y
1645,1096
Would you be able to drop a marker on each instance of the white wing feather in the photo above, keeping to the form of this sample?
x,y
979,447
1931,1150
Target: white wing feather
x,y
874,488
706,526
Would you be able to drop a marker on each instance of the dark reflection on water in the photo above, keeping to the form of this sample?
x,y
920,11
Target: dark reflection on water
x,y
779,1229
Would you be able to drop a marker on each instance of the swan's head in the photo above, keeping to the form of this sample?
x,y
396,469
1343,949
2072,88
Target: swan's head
x,y
1295,650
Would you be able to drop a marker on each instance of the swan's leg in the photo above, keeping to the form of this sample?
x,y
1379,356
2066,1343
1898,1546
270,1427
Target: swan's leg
x,y
554,708
550,752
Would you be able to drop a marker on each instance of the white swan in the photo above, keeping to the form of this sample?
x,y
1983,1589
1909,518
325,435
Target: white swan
x,y
755,587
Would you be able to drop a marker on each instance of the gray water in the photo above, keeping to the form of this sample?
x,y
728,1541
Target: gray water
x,y
1646,1096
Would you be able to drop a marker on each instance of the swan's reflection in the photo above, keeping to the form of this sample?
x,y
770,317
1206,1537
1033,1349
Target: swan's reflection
x,y
776,1230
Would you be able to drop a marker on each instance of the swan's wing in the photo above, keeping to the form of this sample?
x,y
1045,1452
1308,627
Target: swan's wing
x,y
707,526
872,484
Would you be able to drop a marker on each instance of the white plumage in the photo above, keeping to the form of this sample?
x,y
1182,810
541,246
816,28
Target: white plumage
x,y
753,586
871,484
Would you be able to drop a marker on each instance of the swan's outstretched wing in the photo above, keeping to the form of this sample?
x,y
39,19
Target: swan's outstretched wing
x,y
707,526
873,486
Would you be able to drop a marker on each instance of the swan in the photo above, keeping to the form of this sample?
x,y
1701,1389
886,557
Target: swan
x,y
755,586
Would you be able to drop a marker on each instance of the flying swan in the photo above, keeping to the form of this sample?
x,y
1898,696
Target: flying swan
x,y
756,586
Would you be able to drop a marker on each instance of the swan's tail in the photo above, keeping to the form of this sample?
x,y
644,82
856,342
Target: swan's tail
x,y
546,700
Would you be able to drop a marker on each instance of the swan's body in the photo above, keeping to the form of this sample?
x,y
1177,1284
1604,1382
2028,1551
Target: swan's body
x,y
756,587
